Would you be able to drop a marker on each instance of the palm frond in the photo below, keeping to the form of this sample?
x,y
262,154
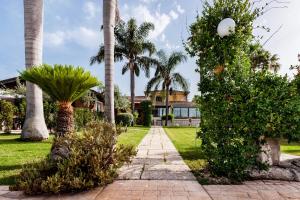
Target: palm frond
x,y
99,58
136,69
125,68
179,80
144,29
148,47
61,82
175,59
153,82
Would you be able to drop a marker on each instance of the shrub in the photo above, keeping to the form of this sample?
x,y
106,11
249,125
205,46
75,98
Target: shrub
x,y
170,117
7,110
146,115
135,117
82,116
237,105
91,160
125,119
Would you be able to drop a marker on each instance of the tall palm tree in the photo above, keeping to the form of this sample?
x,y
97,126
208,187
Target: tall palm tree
x,y
34,127
166,77
263,60
110,16
131,44
274,63
64,84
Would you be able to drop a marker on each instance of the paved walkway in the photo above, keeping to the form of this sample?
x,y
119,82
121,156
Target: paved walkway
x,y
158,172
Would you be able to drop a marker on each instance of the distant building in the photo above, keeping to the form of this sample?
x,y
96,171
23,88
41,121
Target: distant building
x,y
185,112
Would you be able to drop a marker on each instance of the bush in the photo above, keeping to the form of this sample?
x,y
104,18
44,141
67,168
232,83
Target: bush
x,y
170,117
146,115
135,117
82,116
7,111
91,160
125,119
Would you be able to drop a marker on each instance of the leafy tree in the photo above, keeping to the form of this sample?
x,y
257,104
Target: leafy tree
x,y
131,45
65,84
224,65
7,110
122,104
166,77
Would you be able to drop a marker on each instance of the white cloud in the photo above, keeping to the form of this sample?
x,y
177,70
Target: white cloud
x,y
173,14
142,14
81,36
180,9
90,9
54,39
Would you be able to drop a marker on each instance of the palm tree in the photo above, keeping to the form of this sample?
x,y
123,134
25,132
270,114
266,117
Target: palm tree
x,y
166,77
274,63
64,84
263,59
131,44
34,127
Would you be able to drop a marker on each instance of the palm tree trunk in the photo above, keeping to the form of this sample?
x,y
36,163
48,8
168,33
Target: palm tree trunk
x,y
167,105
109,17
34,127
132,88
65,119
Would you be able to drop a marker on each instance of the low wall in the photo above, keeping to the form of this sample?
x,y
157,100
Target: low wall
x,y
178,122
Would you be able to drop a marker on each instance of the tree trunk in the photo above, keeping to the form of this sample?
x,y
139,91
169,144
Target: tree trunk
x,y
34,127
65,119
167,105
109,16
132,89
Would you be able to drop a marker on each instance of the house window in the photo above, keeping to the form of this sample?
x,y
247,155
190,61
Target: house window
x,y
159,99
184,112
192,112
176,112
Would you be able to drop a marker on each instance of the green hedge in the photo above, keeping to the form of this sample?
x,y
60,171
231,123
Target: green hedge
x,y
125,119
146,115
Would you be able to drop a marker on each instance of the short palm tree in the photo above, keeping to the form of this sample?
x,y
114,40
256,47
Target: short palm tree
x,y
65,84
166,77
131,44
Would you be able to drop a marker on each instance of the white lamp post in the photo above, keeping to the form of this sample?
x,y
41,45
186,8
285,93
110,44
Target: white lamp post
x,y
226,27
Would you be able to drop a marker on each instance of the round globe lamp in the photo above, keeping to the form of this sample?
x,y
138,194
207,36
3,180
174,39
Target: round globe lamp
x,y
226,27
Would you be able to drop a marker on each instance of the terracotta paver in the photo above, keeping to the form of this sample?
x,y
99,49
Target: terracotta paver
x,y
159,173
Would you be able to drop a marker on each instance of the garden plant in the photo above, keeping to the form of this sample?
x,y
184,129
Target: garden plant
x,y
240,107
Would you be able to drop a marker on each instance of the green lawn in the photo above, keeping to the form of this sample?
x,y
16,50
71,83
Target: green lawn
x,y
290,148
133,136
189,148
14,152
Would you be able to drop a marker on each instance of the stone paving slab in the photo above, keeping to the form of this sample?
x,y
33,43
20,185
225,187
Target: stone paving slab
x,y
157,159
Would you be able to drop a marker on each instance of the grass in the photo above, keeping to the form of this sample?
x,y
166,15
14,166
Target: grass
x,y
14,152
290,148
189,148
133,136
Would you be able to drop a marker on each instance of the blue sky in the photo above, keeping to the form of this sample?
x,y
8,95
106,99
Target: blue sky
x,y
72,34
